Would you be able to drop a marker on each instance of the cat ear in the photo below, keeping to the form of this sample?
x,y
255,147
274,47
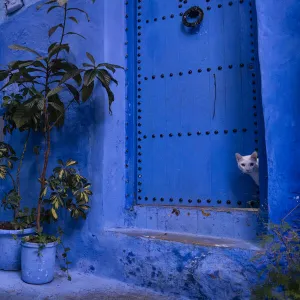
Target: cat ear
x,y
238,156
254,155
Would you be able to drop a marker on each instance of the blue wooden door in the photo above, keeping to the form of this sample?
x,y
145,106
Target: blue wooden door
x,y
197,103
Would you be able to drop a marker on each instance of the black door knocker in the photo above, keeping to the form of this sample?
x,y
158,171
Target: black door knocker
x,y
193,13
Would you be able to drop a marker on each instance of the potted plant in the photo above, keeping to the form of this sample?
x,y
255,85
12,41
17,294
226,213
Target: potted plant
x,y
12,231
43,106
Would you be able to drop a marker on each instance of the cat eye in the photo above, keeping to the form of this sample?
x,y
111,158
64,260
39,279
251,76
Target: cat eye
x,y
252,164
243,165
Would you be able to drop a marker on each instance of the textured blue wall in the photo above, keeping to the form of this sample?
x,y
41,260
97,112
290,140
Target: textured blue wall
x,y
279,41
90,135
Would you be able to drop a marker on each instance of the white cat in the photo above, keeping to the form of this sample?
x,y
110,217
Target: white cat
x,y
249,165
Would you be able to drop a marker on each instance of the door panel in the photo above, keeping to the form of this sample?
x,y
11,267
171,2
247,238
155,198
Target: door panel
x,y
197,103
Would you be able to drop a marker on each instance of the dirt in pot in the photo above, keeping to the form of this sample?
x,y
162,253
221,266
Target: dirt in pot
x,y
41,239
12,226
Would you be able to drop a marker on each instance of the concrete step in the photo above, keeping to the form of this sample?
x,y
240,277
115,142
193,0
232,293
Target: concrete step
x,y
82,286
191,265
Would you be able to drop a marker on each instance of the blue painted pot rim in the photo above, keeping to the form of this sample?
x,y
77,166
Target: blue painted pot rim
x,y
36,245
18,231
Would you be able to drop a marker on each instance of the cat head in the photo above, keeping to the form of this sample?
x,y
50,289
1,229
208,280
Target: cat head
x,y
247,164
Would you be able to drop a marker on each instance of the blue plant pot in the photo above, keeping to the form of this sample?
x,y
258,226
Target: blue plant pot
x,y
38,264
10,248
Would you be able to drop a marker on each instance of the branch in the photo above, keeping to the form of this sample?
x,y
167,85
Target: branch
x,y
291,212
12,179
64,27
21,162
290,257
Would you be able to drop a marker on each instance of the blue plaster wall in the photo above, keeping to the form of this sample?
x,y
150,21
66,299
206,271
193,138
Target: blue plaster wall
x,y
97,140
90,135
279,41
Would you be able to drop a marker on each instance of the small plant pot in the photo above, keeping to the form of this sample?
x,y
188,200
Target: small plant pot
x,y
38,263
10,248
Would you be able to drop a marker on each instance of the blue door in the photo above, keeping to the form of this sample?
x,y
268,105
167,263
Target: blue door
x,y
197,103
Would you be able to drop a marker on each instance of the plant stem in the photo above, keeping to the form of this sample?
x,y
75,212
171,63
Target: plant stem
x,y
19,172
64,27
46,155
281,237
21,162
290,212
12,179
47,132
15,187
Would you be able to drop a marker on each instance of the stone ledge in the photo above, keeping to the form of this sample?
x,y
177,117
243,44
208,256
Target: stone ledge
x,y
229,223
191,239
205,208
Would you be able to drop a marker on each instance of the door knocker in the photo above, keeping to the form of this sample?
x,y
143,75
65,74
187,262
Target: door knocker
x,y
192,13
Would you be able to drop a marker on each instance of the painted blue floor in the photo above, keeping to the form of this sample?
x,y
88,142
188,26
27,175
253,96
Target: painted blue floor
x,y
82,286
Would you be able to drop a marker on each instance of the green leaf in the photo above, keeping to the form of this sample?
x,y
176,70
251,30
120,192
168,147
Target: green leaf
x,y
62,2
56,111
44,192
110,67
57,107
71,163
3,75
74,19
51,8
89,76
22,48
13,79
70,75
60,162
42,4
105,78
57,48
87,91
88,65
80,10
54,214
91,58
21,116
84,207
105,75
9,164
38,63
74,33
53,29
3,171
54,91
52,46
74,92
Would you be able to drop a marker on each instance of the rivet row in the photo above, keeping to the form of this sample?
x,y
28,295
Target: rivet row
x,y
252,51
181,200
230,3
180,134
128,187
190,72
